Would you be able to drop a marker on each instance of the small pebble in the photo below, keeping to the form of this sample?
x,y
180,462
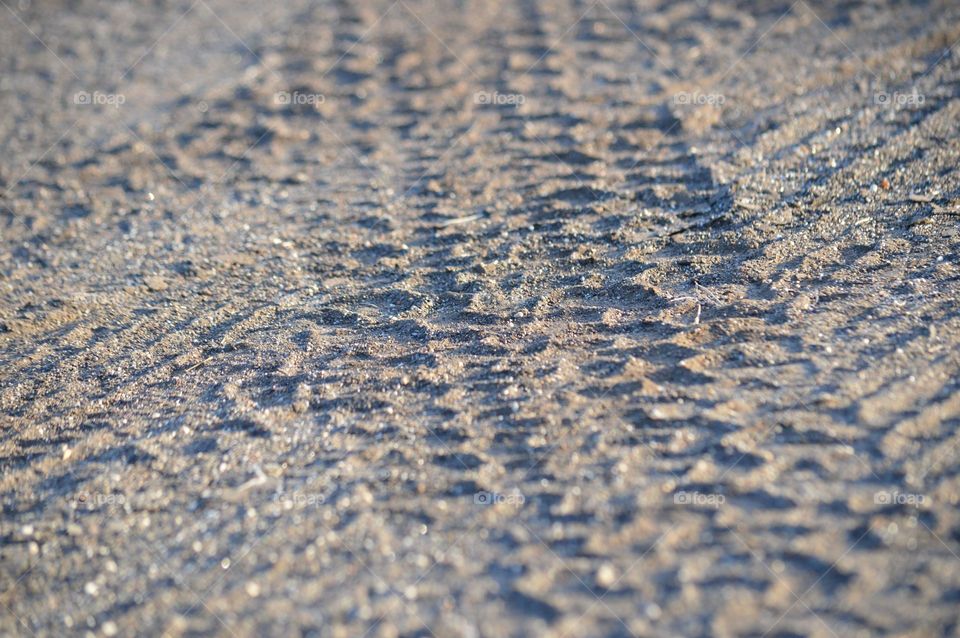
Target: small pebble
x,y
155,283
606,576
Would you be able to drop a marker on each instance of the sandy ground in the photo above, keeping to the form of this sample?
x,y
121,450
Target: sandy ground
x,y
450,318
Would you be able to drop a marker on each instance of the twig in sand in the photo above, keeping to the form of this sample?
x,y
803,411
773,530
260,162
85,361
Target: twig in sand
x,y
458,220
709,294
197,364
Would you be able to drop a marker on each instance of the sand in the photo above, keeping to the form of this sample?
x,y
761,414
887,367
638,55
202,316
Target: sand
x,y
479,318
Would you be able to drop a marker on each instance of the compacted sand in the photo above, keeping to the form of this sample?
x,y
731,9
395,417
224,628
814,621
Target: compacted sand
x,y
462,318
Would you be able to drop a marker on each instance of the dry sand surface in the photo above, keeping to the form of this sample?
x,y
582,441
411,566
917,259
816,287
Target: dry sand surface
x,y
457,318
